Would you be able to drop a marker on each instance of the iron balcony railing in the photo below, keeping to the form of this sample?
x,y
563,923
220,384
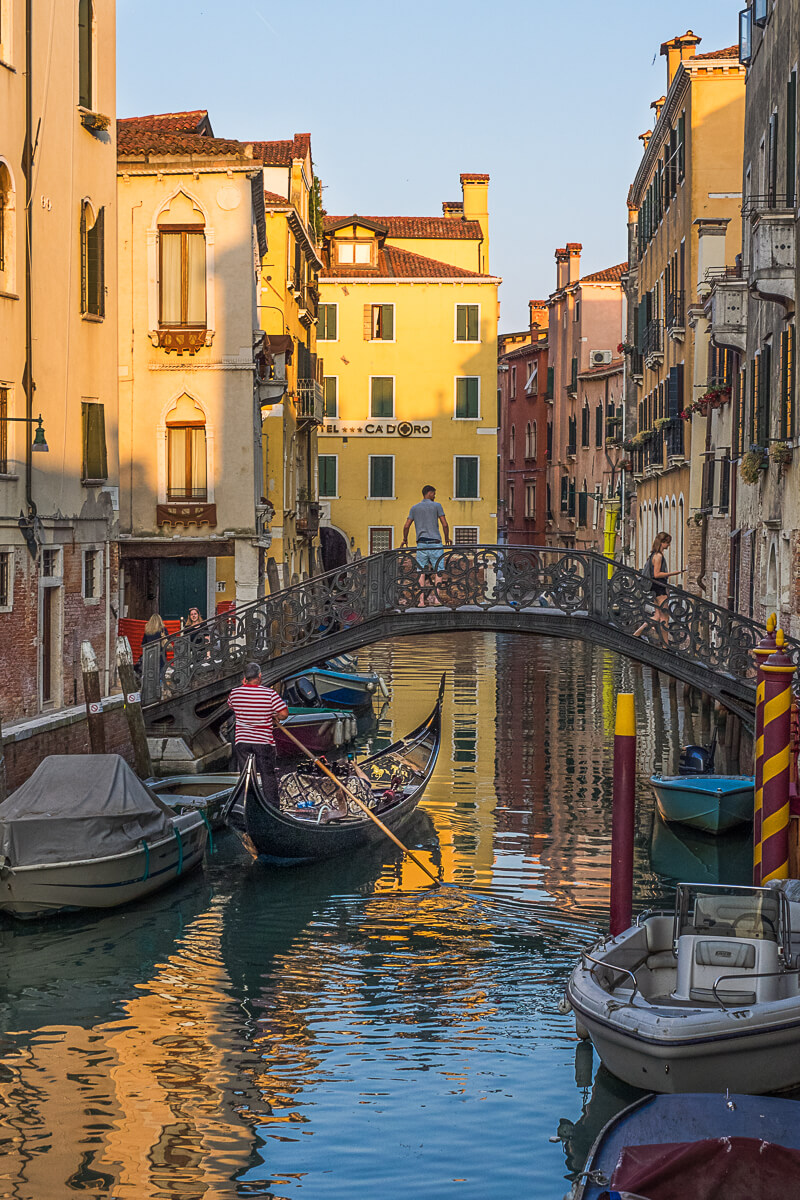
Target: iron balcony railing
x,y
674,311
653,338
310,401
771,201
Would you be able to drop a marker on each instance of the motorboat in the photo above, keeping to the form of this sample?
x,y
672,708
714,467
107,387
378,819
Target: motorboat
x,y
314,821
319,729
207,794
84,832
705,1147
333,689
699,1000
712,803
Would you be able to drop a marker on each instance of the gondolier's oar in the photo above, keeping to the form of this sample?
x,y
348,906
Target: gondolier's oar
x,y
360,804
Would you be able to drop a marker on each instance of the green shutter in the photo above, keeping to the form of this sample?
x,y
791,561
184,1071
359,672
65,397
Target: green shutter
x,y
327,323
461,322
95,464
327,474
765,395
466,478
85,53
550,382
381,481
467,398
387,322
472,323
330,398
382,396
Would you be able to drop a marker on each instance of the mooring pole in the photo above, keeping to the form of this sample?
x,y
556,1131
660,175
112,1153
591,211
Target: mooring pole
x,y
778,673
623,815
761,653
133,709
3,779
94,700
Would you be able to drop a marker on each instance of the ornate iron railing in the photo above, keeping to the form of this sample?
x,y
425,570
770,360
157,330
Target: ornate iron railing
x,y
574,584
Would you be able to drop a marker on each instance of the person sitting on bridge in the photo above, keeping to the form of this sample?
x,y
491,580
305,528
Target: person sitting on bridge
x,y
257,708
426,516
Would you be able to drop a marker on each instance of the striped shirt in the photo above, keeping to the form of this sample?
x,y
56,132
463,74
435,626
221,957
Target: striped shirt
x,y
255,709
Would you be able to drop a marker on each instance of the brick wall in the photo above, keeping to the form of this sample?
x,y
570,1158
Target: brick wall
x,y
23,757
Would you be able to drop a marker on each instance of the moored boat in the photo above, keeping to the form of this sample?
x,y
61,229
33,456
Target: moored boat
x,y
713,803
207,794
333,689
313,821
699,1000
319,729
84,832
699,1146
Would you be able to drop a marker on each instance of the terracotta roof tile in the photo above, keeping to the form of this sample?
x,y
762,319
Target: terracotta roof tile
x,y
394,263
471,177
611,368
182,122
274,154
140,140
420,227
728,52
274,198
609,275
301,145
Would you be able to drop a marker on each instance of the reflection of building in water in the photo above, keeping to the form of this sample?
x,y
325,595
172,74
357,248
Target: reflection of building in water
x,y
555,720
147,1105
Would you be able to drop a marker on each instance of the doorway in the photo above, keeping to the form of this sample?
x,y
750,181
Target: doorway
x,y
183,585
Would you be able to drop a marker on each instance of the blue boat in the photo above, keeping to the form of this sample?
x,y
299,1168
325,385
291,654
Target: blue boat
x,y
333,689
696,1145
710,802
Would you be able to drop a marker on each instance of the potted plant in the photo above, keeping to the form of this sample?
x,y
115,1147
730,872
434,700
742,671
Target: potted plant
x,y
752,464
781,453
663,423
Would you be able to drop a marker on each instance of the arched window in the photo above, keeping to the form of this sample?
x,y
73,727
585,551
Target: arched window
x,y
187,474
85,54
7,254
535,442
528,441
182,275
512,439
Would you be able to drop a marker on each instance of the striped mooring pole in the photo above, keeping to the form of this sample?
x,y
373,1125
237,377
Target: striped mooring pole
x,y
778,672
761,653
623,815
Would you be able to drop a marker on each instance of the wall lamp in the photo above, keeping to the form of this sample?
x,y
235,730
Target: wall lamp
x,y
39,442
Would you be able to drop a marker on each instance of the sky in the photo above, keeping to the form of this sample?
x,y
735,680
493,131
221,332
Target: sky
x,y
549,98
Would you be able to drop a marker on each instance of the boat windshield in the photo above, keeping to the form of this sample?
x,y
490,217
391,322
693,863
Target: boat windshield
x,y
741,912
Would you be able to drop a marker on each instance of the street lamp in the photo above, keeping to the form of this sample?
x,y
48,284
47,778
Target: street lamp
x,y
39,442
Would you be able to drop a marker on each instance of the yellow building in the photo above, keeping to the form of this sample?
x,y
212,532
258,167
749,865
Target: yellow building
x,y
408,331
686,190
58,350
291,395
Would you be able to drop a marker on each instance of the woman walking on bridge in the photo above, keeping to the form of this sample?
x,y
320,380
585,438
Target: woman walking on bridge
x,y
656,569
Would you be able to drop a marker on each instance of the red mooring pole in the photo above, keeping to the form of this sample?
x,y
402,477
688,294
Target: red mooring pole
x,y
761,653
778,674
623,815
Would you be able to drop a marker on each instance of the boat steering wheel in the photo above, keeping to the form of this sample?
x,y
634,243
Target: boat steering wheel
x,y
752,921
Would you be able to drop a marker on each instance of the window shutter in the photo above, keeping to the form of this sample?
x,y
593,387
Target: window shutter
x,y
461,322
84,265
367,322
772,160
764,396
564,493
472,323
598,426
571,509
681,146
387,322
791,139
583,507
550,382
85,53
675,390
95,464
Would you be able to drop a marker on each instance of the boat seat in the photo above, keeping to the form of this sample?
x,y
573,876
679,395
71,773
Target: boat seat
x,y
728,953
713,958
662,959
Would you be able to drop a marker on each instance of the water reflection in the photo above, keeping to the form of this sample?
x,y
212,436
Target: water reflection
x,y
345,1029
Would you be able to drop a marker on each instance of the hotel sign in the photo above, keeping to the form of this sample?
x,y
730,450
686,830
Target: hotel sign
x,y
379,428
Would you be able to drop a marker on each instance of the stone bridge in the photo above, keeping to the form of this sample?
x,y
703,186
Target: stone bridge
x,y
532,590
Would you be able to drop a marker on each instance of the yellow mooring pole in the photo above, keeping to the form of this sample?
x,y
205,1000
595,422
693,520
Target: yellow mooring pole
x,y
778,673
761,653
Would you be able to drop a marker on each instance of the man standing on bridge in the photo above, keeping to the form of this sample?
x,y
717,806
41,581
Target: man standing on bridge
x,y
426,516
256,709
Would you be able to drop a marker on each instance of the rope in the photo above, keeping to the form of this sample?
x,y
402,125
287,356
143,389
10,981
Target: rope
x,y
146,861
180,848
208,827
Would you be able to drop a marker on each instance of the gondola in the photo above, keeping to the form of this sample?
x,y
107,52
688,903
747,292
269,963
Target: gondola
x,y
314,823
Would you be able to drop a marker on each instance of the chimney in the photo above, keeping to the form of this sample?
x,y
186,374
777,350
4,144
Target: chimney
x,y
644,138
562,268
658,104
475,196
453,209
677,51
574,267
538,314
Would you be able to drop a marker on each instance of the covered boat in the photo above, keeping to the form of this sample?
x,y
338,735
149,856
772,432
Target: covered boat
x,y
704,1147
85,832
314,822
701,1000
713,803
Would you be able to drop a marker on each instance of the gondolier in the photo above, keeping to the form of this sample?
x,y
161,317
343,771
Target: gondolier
x,y
256,709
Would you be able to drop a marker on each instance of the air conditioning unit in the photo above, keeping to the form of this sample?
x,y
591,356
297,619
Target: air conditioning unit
x,y
599,358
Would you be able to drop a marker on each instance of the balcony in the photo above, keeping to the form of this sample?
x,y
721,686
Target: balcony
x,y
674,313
310,402
728,303
653,344
307,520
773,255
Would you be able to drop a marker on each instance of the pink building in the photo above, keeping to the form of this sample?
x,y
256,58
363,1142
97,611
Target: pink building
x,y
585,327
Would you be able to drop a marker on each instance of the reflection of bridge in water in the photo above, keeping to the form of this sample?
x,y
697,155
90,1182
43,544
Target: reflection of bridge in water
x,y
534,590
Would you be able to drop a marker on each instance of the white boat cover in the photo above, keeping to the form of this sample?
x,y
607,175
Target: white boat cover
x,y
77,806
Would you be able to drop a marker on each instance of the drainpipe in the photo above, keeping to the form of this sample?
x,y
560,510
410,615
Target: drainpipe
x,y
27,168
704,535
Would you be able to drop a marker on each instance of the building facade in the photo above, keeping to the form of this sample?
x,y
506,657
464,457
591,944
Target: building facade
x,y
192,236
686,192
585,322
522,434
58,351
408,331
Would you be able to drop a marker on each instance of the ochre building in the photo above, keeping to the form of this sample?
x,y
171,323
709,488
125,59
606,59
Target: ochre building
x,y
408,333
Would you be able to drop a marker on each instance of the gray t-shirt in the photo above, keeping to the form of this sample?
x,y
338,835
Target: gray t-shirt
x,y
425,516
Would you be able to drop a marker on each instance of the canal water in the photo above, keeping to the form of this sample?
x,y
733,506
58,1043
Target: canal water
x,y
347,1031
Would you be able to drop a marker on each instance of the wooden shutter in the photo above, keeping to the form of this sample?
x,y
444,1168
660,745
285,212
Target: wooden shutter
x,y
764,394
550,382
472,323
387,322
791,139
84,277
772,161
675,390
461,323
85,53
681,146
95,464
367,322
95,266
598,426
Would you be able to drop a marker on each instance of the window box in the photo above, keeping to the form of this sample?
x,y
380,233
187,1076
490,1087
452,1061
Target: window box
x,y
95,122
